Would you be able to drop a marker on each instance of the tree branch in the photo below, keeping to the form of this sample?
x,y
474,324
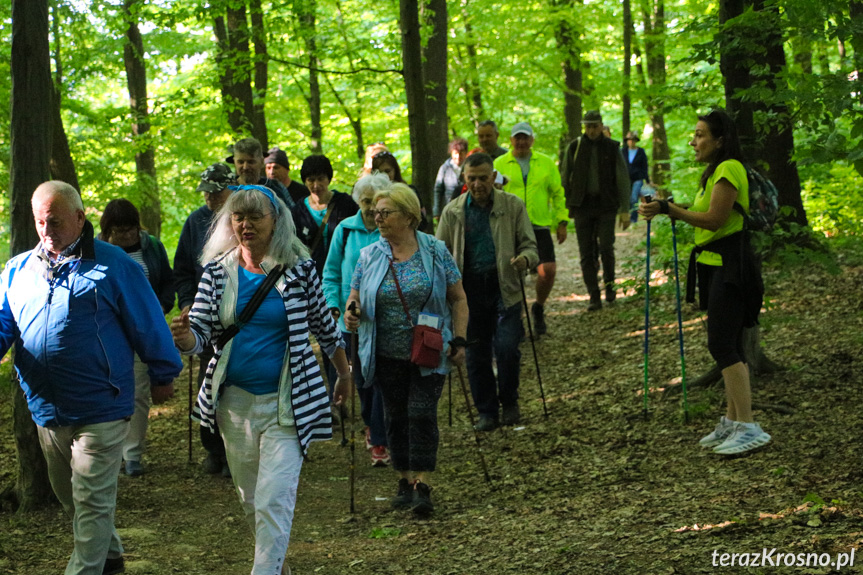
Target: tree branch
x,y
341,72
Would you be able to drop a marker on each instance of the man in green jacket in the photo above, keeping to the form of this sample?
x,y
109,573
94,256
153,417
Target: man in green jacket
x,y
492,241
535,179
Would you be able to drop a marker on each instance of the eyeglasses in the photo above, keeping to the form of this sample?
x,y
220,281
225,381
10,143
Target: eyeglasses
x,y
253,217
384,214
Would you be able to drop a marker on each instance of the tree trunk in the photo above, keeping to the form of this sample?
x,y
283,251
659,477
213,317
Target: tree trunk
x,y
435,61
308,18
235,67
743,47
855,11
568,42
424,168
473,88
627,67
30,158
62,165
259,95
145,160
654,48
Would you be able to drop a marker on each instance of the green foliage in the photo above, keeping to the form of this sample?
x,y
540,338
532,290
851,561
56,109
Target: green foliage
x,y
384,532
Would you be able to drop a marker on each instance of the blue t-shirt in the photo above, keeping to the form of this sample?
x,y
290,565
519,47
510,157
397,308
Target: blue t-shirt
x,y
258,349
393,329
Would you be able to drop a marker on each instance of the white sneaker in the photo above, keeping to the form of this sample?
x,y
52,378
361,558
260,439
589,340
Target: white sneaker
x,y
744,437
719,434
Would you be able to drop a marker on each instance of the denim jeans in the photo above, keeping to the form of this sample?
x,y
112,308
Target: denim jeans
x,y
634,198
371,403
497,331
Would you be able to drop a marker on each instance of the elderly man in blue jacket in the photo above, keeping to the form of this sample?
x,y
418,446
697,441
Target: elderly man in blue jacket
x,y
77,310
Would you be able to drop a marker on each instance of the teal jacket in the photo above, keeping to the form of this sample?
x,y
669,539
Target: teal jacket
x,y
375,259
543,195
342,259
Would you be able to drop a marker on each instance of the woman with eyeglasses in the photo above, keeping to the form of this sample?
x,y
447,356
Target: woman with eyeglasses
x,y
729,280
263,385
121,225
413,270
352,235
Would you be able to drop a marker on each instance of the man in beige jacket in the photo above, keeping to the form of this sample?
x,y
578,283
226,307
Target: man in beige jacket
x,y
492,240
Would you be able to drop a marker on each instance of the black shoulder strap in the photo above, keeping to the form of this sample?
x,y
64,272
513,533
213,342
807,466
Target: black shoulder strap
x,y
251,307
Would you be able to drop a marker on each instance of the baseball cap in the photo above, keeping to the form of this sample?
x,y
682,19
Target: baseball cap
x,y
592,117
521,128
216,178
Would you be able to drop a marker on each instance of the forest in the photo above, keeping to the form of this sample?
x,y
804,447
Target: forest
x,y
134,98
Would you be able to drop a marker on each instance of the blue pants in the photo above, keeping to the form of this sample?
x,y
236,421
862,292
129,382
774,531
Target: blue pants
x,y
634,198
371,404
497,331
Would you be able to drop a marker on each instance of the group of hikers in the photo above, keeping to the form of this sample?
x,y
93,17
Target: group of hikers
x,y
395,295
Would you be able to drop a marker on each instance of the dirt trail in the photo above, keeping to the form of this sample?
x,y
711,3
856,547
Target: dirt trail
x,y
592,489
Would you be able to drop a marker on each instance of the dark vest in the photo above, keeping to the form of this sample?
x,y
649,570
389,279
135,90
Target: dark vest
x,y
608,152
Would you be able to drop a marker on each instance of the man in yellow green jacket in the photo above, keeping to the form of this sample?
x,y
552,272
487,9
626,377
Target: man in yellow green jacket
x,y
535,179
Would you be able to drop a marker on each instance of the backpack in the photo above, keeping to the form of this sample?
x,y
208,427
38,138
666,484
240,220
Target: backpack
x,y
763,202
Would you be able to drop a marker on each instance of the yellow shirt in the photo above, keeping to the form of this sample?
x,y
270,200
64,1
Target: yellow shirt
x,y
734,172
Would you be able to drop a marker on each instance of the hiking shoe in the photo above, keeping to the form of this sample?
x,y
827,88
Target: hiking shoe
x,y
134,468
511,415
595,302
538,313
368,434
380,456
719,434
212,464
422,504
744,437
610,294
113,566
404,496
485,423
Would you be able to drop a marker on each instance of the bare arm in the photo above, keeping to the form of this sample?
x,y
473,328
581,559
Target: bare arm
x,y
457,300
722,200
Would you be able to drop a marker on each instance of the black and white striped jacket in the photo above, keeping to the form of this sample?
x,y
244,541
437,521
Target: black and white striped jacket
x,y
303,400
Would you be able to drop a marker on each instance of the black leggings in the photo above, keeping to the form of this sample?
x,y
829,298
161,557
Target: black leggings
x,y
725,310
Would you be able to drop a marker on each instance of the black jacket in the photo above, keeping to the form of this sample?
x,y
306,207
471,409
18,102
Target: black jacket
x,y
343,207
638,168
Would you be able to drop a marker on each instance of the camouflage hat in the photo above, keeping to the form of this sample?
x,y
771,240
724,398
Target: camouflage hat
x,y
216,178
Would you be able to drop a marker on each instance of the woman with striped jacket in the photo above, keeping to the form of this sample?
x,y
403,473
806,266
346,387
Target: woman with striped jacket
x,y
263,386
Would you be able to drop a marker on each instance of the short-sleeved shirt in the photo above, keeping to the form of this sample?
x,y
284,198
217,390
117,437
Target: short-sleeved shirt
x,y
258,350
392,326
735,173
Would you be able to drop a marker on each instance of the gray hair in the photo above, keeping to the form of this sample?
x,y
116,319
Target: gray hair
x,y
57,188
371,183
285,247
485,123
250,147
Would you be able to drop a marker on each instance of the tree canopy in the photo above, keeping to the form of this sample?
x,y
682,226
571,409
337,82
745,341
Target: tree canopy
x,y
505,62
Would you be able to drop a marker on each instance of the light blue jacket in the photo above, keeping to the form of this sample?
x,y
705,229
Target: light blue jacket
x,y
342,260
375,260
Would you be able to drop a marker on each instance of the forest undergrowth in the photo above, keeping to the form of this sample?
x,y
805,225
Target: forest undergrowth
x,y
593,488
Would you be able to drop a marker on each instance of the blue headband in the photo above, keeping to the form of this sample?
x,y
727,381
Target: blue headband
x,y
264,190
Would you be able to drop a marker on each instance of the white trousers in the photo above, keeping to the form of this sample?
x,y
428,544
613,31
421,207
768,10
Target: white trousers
x,y
83,463
265,460
136,441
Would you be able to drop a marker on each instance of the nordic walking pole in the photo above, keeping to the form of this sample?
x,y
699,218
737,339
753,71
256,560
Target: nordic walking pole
x,y
472,424
679,321
647,318
355,352
533,345
449,392
191,367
